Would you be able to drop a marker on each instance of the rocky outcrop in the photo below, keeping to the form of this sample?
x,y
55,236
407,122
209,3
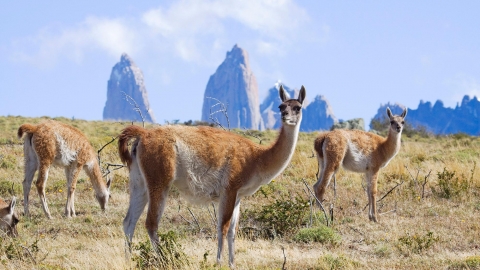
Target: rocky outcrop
x,y
234,86
127,96
317,115
438,119
356,123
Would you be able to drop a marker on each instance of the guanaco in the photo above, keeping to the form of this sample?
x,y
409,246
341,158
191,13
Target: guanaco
x,y
55,143
206,164
358,151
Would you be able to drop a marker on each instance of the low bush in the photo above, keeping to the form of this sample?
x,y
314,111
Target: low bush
x,y
416,243
283,216
167,255
321,234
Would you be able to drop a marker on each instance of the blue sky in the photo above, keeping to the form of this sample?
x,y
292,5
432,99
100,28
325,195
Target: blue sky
x,y
57,56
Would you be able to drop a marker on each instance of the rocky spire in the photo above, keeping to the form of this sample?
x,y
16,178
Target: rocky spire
x,y
234,85
126,93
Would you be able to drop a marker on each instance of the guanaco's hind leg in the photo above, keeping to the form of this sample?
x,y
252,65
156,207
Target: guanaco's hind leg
x,y
138,200
31,165
41,182
71,173
333,152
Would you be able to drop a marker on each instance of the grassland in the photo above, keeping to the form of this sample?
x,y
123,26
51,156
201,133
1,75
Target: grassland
x,y
431,220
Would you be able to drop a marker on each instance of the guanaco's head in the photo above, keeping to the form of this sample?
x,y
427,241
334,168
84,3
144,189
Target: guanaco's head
x,y
8,217
397,121
291,109
103,196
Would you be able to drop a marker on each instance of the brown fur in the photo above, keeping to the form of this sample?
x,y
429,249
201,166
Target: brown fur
x,y
54,143
8,217
357,151
206,164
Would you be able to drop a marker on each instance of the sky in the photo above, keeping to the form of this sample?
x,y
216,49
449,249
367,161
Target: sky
x,y
56,56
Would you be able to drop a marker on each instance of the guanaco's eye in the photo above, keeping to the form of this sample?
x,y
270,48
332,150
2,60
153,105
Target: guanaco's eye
x,y
391,122
297,108
282,107
403,122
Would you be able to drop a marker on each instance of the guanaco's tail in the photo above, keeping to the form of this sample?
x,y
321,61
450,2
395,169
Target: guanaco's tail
x,y
319,144
26,128
127,134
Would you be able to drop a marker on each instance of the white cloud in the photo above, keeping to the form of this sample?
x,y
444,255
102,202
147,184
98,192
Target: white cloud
x,y
195,31
109,35
191,25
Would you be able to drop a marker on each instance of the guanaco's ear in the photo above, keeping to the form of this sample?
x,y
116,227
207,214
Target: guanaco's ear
x,y
404,113
302,95
109,181
283,94
389,113
11,207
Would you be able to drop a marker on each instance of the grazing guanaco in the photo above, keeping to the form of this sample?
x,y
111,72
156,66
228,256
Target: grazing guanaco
x,y
8,217
206,164
358,151
55,143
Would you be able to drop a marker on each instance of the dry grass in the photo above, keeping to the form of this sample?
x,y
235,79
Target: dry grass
x,y
417,229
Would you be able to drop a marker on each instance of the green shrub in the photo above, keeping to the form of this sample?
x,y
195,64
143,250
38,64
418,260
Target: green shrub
x,y
416,243
7,187
8,162
168,254
472,262
284,215
12,249
332,262
321,234
449,185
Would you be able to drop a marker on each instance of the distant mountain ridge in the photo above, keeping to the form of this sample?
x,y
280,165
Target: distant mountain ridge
x,y
438,119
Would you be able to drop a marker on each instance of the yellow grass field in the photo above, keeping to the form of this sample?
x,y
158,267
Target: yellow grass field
x,y
431,220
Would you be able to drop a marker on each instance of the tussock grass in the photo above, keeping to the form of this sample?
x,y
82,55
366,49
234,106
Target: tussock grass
x,y
95,240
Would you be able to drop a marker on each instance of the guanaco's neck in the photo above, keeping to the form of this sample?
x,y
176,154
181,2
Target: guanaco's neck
x,y
276,157
95,175
392,143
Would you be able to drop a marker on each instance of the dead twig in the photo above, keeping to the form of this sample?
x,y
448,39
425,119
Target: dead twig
x,y
247,132
284,259
136,108
318,201
223,110
424,183
212,216
390,191
332,205
30,254
195,219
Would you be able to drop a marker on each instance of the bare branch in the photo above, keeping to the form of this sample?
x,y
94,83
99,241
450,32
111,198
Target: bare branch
x,y
136,108
424,183
30,254
318,201
223,110
284,259
106,171
195,219
390,191
247,132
